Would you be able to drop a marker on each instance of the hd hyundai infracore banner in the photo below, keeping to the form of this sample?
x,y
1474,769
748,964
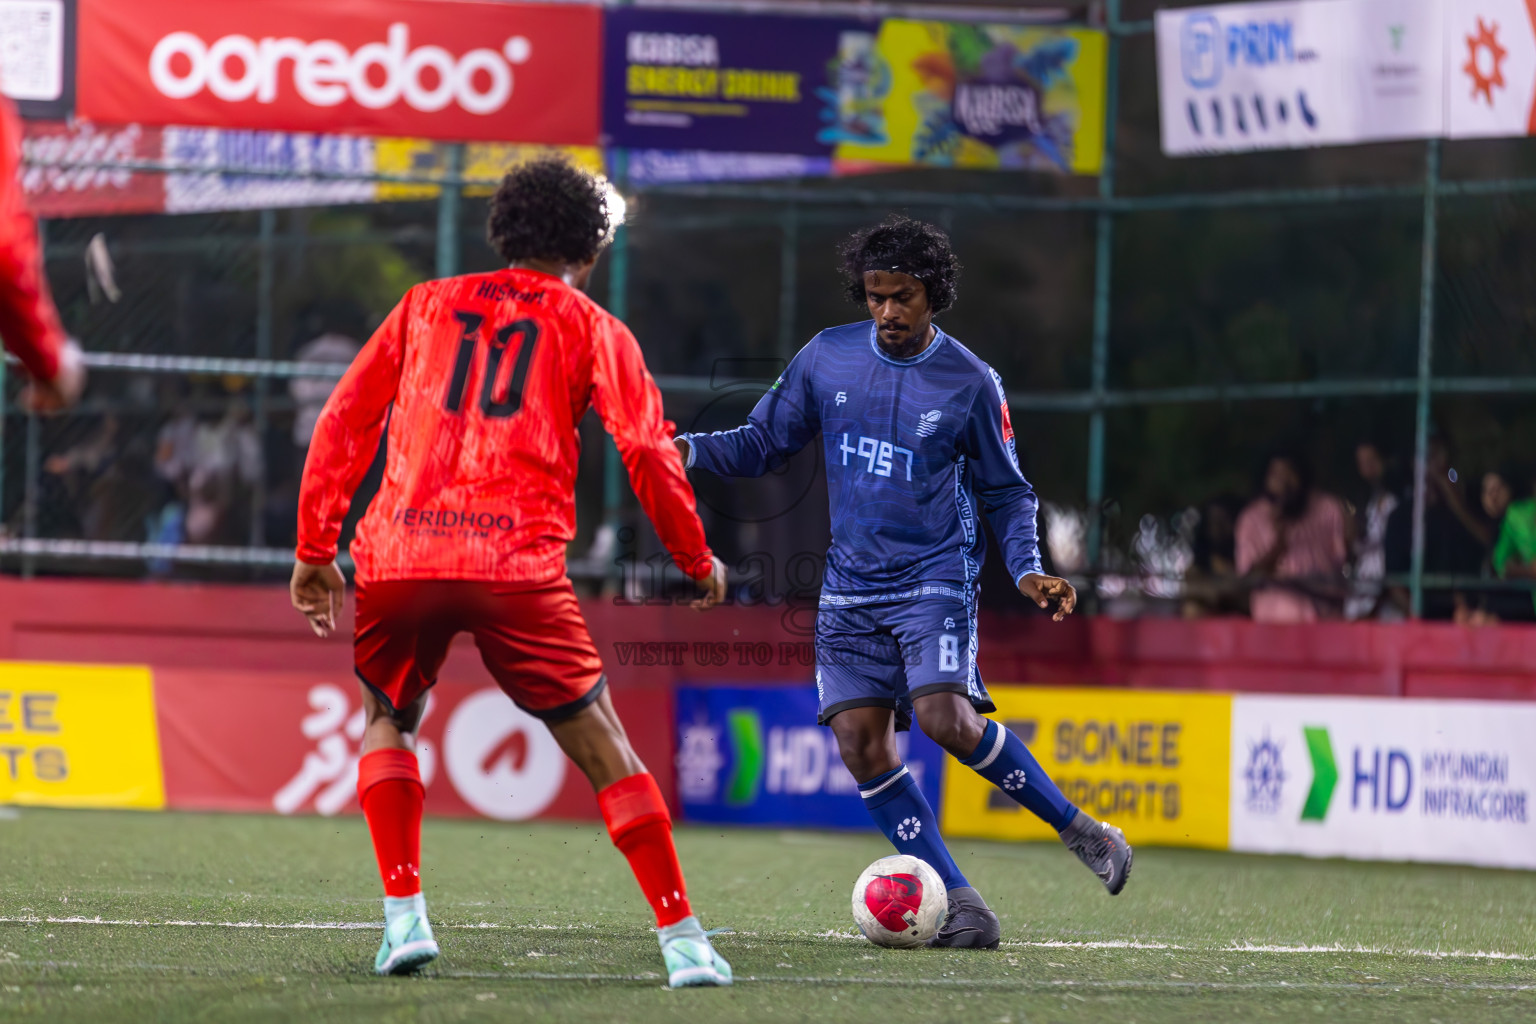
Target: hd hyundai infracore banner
x,y
437,69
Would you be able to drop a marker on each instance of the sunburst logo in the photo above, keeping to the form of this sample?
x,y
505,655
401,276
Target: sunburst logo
x,y
1485,61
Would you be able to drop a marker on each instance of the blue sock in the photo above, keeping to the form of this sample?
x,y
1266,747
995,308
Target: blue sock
x,y
901,811
1003,760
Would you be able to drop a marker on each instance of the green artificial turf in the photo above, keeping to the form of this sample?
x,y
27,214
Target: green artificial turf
x,y
543,922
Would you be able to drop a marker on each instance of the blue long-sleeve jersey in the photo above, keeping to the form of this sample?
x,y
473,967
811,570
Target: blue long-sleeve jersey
x,y
912,447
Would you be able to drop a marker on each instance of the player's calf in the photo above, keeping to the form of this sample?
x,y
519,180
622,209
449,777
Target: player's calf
x,y
389,789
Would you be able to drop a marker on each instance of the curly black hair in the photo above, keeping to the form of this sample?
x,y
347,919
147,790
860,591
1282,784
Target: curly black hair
x,y
909,247
549,209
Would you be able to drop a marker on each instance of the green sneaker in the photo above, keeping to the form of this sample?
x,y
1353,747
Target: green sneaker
x,y
691,960
408,945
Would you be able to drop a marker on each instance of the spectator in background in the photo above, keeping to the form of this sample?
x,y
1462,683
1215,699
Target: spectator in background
x,y
1371,519
226,464
1514,555
309,393
281,512
1211,587
1292,542
1457,537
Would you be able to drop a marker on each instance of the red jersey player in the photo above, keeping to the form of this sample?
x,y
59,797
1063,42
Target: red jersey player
x,y
481,381
29,324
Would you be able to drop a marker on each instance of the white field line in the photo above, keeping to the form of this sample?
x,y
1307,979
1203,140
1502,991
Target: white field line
x,y
832,981
1104,944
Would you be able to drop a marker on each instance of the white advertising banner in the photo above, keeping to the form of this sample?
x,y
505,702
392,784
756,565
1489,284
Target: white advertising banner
x,y
1287,75
1383,779
1490,66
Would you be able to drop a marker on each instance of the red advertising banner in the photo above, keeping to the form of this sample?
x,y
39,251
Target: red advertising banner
x,y
289,742
75,191
438,69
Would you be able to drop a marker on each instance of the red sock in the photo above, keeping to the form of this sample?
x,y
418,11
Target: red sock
x,y
641,827
389,788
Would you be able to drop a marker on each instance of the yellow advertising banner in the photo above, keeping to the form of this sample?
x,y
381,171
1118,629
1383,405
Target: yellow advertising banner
x,y
1155,764
78,736
484,162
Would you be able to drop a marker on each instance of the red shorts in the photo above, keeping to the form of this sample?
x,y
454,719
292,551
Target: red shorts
x,y
532,639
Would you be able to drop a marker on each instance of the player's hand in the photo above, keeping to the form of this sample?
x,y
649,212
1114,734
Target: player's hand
x,y
683,449
714,586
317,592
1048,590
65,388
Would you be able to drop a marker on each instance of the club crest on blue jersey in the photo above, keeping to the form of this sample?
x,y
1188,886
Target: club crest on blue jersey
x,y
928,422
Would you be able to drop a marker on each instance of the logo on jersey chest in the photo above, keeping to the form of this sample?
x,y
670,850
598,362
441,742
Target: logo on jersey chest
x,y
928,422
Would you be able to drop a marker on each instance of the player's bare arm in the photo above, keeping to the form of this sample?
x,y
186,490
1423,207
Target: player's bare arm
x,y
1049,591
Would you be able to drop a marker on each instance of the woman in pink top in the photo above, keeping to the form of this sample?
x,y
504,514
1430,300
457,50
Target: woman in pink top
x,y
1292,541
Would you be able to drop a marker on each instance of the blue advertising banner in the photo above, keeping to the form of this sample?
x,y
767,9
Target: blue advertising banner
x,y
676,80
754,755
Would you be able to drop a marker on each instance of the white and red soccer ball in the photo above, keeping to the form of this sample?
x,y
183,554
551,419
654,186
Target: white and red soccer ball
x,y
899,901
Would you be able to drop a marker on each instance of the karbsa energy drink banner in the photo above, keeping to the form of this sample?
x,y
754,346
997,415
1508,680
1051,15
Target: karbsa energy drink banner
x,y
78,736
1382,779
754,755
439,69
862,92
1153,763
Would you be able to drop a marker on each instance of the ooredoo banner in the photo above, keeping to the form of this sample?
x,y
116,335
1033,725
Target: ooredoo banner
x,y
1235,77
440,69
1384,779
1153,763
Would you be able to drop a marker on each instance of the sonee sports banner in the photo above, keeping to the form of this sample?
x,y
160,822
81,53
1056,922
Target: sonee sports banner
x,y
437,69
1152,763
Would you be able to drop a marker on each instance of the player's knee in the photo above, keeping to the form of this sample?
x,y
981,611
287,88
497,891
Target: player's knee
x,y
952,724
865,753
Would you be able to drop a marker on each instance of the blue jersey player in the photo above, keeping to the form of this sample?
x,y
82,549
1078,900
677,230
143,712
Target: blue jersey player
x,y
917,444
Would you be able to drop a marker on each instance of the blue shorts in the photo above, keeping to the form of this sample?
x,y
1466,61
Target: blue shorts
x,y
886,654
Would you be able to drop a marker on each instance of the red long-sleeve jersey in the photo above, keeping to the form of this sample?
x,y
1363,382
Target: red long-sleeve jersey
x,y
488,376
29,323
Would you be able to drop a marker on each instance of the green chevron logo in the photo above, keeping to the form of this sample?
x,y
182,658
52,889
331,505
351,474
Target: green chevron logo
x,y
745,729
1325,773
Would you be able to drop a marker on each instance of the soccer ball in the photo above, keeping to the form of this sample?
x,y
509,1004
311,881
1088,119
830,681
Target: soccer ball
x,y
899,901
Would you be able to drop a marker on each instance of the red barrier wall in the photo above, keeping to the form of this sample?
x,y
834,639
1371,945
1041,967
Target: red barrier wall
x,y
257,714
252,628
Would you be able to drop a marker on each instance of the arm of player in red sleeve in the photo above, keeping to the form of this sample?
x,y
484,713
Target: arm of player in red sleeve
x,y
29,323
627,399
347,436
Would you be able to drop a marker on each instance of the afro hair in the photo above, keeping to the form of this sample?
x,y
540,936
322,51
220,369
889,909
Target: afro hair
x,y
549,209
908,247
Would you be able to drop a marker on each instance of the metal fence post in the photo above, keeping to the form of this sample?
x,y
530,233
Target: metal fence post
x,y
448,212
618,305
1426,359
1102,260
266,271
